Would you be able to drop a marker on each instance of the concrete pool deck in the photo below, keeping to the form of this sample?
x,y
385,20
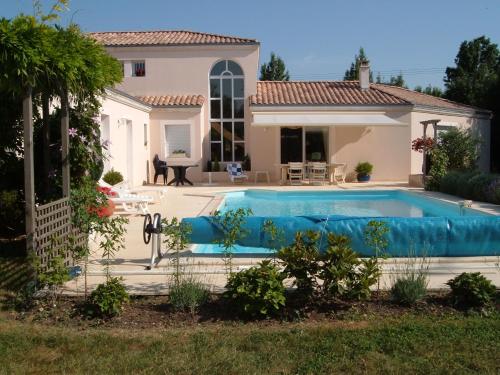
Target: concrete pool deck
x,y
189,201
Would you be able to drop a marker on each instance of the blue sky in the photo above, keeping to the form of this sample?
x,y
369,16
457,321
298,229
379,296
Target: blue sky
x,y
317,39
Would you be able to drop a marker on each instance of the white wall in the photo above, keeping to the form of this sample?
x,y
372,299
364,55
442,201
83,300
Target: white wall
x,y
124,125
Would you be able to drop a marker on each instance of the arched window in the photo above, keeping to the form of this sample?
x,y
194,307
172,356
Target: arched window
x,y
227,112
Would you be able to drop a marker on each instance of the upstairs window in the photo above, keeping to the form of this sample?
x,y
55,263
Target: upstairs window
x,y
227,112
138,69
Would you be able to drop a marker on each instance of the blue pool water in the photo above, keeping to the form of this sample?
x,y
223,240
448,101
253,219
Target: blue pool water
x,y
380,203
422,224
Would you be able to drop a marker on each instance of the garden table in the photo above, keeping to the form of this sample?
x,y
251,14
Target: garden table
x,y
180,174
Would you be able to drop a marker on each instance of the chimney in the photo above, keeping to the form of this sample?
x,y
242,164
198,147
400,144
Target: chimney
x,y
364,75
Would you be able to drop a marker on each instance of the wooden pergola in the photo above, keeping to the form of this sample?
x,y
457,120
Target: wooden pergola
x,y
44,222
425,124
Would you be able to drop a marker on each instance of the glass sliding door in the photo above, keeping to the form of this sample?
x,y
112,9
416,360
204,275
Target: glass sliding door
x,y
291,145
316,144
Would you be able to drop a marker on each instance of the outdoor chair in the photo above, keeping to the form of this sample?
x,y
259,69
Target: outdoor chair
x,y
122,192
235,172
295,173
132,204
317,173
161,169
339,173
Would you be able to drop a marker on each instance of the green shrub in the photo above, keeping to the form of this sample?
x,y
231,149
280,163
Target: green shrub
x,y
364,168
409,289
344,274
188,295
301,261
257,292
338,273
439,166
11,213
112,177
107,299
461,148
471,290
473,185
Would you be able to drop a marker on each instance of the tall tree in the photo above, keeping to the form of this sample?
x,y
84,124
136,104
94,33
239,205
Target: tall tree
x,y
393,81
430,90
475,73
352,74
274,70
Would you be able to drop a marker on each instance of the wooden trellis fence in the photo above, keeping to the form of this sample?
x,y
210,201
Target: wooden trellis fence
x,y
54,232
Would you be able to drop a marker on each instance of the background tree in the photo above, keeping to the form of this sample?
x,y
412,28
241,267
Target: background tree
x,y
352,74
430,90
393,80
475,73
274,70
475,80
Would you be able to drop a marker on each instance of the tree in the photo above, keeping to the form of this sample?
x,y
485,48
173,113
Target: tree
x,y
274,70
430,90
352,74
475,73
393,81
50,60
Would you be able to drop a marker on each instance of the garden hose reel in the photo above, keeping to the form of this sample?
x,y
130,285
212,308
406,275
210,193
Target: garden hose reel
x,y
151,232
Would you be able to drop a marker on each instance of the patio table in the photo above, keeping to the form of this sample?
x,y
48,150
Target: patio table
x,y
330,167
180,174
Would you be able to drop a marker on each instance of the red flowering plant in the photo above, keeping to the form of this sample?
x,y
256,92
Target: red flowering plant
x,y
107,191
418,144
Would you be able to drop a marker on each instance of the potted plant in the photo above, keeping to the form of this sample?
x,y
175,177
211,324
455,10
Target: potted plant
x,y
364,170
215,165
179,154
246,163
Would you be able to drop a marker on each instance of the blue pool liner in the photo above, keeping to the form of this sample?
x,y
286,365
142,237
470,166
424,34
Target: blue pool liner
x,y
429,236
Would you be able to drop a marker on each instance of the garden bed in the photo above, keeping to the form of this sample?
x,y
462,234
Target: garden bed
x,y
155,311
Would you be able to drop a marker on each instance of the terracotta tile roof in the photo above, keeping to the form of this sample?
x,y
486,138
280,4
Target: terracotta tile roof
x,y
418,98
173,100
165,38
320,92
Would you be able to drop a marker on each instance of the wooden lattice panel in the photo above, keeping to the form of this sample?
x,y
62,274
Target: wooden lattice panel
x,y
52,230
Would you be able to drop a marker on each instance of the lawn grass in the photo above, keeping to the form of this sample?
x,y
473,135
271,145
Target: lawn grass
x,y
408,344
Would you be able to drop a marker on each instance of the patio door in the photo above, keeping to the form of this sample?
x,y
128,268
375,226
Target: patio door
x,y
291,145
316,144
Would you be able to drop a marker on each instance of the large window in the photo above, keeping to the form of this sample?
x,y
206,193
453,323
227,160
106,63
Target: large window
x,y
227,112
177,140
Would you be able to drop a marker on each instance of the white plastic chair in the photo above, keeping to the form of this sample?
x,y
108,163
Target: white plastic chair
x,y
339,172
132,204
317,173
295,173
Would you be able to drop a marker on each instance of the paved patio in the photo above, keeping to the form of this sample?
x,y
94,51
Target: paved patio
x,y
189,201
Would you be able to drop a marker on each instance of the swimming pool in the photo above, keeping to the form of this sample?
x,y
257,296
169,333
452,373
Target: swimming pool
x,y
373,203
418,223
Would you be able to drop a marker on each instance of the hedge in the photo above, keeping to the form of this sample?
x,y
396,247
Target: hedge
x,y
475,185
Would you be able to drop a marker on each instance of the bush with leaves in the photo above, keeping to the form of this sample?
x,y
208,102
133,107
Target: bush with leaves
x,y
107,299
475,185
472,290
439,167
257,292
188,295
230,224
409,289
344,274
461,148
411,278
301,261
112,177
